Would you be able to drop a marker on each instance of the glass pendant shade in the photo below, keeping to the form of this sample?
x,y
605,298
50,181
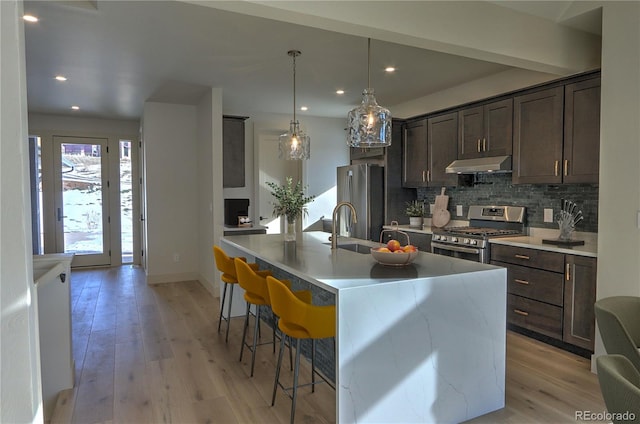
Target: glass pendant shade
x,y
369,125
294,144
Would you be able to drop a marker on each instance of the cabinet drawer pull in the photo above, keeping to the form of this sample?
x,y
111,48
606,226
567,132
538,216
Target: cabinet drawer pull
x,y
428,175
522,257
566,167
555,168
424,176
521,281
519,312
567,272
484,144
478,145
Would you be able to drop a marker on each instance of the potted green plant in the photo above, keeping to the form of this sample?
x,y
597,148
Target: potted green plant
x,y
291,203
415,212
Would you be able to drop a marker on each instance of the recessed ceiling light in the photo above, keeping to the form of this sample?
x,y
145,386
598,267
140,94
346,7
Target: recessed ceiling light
x,y
389,69
30,18
61,78
304,108
339,91
75,107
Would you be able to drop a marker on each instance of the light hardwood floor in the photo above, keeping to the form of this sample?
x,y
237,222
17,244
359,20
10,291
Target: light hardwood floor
x,y
151,354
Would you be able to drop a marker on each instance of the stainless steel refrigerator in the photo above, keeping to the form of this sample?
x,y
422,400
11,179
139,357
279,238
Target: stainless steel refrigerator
x,y
363,186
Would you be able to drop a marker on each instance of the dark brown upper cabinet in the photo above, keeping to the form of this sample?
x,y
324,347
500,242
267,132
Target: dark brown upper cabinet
x,y
537,137
486,130
359,153
443,148
581,161
557,134
233,151
414,154
430,145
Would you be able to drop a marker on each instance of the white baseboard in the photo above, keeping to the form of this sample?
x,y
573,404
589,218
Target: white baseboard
x,y
172,278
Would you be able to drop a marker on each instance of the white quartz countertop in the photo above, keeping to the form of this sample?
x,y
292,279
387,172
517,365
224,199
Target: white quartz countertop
x,y
313,260
531,241
536,235
47,266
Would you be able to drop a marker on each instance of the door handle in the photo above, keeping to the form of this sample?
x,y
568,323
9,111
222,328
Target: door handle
x,y
60,214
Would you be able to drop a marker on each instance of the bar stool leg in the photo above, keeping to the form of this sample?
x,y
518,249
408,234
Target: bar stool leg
x,y
226,338
224,295
313,365
296,370
274,323
244,331
277,379
255,338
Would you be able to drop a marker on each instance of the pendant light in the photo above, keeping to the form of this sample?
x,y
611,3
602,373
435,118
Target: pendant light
x,y
369,123
295,144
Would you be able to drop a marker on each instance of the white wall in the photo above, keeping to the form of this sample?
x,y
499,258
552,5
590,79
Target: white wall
x,y
328,151
80,126
619,199
210,207
171,157
493,85
20,392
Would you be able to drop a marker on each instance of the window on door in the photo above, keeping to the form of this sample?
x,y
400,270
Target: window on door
x,y
126,201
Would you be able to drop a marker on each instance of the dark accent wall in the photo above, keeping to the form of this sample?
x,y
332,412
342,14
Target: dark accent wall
x,y
325,348
496,189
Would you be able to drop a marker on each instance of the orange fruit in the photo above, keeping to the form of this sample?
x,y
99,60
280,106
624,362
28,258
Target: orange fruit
x,y
409,248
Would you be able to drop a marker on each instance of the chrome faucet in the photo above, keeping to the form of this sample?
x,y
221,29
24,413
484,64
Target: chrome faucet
x,y
354,217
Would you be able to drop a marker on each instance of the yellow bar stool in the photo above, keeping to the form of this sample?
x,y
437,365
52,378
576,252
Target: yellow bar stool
x,y
256,293
299,320
226,266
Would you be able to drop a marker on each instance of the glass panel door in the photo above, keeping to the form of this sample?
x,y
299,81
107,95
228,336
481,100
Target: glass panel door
x,y
82,200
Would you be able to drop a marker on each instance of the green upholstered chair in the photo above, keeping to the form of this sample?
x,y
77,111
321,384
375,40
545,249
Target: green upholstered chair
x,y
618,320
620,386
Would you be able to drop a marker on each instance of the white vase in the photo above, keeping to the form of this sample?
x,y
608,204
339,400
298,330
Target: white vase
x,y
415,221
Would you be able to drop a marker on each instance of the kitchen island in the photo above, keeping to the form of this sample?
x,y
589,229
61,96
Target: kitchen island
x,y
420,343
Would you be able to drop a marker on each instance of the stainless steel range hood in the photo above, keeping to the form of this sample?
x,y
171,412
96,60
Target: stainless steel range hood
x,y
473,166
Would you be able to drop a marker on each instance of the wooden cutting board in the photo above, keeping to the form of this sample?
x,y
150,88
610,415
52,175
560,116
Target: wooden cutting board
x,y
442,201
441,216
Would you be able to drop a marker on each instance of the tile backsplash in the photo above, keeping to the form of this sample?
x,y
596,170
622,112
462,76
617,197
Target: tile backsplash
x,y
496,189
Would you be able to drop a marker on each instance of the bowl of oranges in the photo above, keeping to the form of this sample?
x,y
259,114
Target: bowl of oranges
x,y
394,254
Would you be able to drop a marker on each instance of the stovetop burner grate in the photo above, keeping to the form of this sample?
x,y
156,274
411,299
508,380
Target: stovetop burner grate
x,y
479,231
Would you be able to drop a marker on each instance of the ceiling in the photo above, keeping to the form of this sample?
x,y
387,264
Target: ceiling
x,y
119,54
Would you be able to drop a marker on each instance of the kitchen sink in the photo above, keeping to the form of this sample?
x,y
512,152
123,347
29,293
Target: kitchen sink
x,y
354,247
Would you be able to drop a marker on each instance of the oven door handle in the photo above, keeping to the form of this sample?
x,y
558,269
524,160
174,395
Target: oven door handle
x,y
454,248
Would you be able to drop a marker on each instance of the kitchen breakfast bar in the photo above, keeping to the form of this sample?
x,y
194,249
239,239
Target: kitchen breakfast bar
x,y
422,343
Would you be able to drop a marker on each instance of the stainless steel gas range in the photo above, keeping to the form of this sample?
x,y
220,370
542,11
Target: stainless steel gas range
x,y
485,222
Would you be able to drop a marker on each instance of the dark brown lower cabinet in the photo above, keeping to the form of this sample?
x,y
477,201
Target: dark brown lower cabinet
x,y
534,315
579,297
550,293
